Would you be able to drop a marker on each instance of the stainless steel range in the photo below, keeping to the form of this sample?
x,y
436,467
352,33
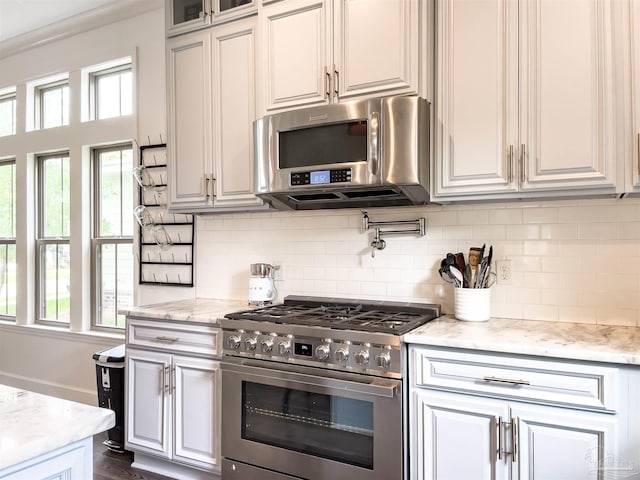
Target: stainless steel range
x,y
313,389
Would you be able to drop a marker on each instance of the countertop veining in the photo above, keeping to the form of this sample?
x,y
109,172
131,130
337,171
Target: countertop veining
x,y
574,341
198,310
32,424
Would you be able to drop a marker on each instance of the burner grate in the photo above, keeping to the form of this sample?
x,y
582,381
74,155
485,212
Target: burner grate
x,y
379,317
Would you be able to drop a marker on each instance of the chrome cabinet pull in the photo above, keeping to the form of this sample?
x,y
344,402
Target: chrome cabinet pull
x,y
167,339
514,440
203,186
161,381
499,438
327,84
336,84
173,378
523,173
510,177
167,379
506,380
213,186
638,153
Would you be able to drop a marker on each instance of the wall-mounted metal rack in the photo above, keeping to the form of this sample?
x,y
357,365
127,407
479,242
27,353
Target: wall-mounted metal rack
x,y
166,241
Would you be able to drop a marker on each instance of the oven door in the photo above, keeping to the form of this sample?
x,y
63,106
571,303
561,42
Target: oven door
x,y
311,423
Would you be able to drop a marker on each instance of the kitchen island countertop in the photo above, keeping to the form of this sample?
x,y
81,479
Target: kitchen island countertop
x,y
573,341
32,424
198,310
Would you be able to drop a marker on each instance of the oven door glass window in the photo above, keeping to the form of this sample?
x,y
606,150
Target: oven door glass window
x,y
327,426
323,144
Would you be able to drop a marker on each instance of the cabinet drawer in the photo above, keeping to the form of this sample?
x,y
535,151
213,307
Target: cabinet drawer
x,y
175,337
583,385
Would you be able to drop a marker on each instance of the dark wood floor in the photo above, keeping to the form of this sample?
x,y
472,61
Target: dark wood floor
x,y
108,465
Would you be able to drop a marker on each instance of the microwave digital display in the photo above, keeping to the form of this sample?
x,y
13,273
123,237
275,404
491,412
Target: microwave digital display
x,y
320,177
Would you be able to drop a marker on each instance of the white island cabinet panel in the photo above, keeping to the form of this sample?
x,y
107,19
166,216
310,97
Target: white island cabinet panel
x,y
47,438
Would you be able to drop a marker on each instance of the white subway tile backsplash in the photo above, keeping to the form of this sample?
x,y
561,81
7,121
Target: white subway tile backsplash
x,y
571,260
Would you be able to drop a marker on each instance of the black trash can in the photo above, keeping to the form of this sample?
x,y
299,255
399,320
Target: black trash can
x,y
110,381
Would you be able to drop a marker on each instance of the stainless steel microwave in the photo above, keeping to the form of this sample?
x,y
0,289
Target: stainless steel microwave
x,y
364,153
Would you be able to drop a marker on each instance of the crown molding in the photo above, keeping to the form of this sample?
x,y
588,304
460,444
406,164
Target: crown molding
x,y
98,17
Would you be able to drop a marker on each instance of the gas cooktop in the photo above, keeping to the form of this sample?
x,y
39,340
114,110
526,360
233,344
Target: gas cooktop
x,y
396,318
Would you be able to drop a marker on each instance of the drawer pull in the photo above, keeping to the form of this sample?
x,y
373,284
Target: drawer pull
x,y
506,380
167,339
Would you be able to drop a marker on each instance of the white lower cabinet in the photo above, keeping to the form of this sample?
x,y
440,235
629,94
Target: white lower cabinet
x,y
173,400
456,433
173,407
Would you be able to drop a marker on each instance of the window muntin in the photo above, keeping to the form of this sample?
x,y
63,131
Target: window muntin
x,y
53,104
8,114
112,243
8,239
54,224
113,92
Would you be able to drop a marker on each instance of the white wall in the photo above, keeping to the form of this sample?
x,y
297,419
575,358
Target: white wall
x,y
572,260
33,357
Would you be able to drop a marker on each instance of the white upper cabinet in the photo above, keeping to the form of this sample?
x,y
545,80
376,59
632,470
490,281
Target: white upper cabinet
x,y
634,24
538,118
321,51
211,109
476,96
189,119
188,15
234,110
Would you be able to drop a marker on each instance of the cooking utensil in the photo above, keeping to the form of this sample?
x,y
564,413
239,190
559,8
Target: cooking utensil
x,y
457,274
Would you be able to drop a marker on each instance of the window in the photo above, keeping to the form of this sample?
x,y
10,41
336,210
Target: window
x,y
53,267
8,113
112,92
112,243
8,239
52,104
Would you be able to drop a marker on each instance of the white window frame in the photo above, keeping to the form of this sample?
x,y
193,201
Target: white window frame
x,y
5,242
10,95
97,241
42,241
39,103
94,91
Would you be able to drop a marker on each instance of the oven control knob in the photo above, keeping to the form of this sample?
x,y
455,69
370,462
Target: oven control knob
x,y
266,345
383,360
342,355
250,343
233,342
284,347
322,351
362,357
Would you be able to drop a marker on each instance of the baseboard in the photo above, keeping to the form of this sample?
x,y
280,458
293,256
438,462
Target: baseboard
x,y
169,469
53,389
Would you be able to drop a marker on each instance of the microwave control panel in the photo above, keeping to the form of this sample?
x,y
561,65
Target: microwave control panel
x,y
321,177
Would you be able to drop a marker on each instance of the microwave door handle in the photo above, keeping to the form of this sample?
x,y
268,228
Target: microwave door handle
x,y
374,145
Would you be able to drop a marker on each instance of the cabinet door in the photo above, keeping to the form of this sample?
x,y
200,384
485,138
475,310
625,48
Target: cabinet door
x,y
560,443
148,414
189,119
234,108
635,87
455,437
476,97
567,95
196,411
296,48
376,47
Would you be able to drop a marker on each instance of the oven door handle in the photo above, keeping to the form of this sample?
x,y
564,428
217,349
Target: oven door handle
x,y
382,387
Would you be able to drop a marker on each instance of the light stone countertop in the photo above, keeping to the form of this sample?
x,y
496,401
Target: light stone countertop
x,y
32,424
197,310
574,341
